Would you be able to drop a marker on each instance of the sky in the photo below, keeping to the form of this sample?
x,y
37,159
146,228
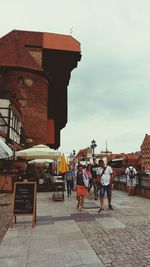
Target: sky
x,y
109,91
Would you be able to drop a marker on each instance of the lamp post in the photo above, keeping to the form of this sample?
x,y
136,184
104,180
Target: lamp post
x,y
93,145
74,152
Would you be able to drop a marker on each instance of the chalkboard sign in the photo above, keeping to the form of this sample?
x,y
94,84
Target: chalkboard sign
x,y
25,200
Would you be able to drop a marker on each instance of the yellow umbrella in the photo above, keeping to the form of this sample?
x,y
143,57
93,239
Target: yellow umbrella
x,y
63,167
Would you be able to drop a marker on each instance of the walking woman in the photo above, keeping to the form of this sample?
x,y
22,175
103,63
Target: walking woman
x,y
82,183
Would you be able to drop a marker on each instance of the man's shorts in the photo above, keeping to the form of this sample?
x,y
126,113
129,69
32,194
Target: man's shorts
x,y
106,188
131,182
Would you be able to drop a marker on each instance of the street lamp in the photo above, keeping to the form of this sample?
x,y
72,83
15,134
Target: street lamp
x,y
93,145
74,152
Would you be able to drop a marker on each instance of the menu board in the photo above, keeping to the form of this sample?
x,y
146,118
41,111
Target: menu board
x,y
24,199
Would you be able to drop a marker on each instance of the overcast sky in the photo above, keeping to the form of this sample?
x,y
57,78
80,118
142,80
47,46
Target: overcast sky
x,y
109,91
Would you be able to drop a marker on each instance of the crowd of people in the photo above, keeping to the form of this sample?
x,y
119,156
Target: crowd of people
x,y
98,177
83,178
95,176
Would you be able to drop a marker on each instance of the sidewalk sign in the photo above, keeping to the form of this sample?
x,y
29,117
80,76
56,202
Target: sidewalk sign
x,y
24,203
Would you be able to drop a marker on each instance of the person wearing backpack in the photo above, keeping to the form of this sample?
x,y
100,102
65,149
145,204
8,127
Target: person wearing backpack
x,y
131,179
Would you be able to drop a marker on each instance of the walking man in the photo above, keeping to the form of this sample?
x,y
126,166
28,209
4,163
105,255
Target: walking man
x,y
94,181
131,179
105,176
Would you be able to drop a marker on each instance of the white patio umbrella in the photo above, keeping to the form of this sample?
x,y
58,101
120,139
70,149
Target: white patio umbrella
x,y
5,151
42,161
38,152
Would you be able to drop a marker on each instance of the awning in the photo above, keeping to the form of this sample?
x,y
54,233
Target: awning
x,y
41,161
38,152
5,151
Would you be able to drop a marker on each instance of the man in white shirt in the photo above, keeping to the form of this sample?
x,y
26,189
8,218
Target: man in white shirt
x,y
105,176
131,179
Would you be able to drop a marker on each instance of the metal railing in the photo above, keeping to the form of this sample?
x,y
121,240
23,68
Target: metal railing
x,y
142,180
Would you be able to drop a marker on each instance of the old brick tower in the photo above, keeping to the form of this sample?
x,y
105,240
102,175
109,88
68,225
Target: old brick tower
x,y
35,69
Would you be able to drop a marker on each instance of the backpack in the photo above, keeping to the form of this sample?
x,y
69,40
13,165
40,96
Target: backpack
x,y
131,173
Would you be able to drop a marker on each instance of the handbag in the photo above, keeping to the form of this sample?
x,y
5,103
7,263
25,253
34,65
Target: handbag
x,y
85,179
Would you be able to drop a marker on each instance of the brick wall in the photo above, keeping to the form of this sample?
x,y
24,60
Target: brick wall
x,y
145,150
32,91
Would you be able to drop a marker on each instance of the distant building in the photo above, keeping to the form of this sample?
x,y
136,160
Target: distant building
x,y
145,152
135,159
119,162
35,68
84,154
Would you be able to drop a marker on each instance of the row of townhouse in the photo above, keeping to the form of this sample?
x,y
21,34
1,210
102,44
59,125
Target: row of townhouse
x,y
140,160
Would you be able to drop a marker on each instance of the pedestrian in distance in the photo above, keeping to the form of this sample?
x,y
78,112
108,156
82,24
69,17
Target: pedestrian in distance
x,y
105,177
82,183
94,181
69,182
73,168
131,179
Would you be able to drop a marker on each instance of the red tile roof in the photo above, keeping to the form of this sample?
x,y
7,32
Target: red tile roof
x,y
133,156
14,47
25,37
60,42
146,140
13,50
14,56
81,153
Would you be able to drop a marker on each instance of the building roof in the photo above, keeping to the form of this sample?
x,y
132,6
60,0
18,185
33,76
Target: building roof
x,y
60,42
14,47
82,153
133,156
146,140
117,156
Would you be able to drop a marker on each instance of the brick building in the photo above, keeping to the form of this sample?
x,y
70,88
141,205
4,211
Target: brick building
x,y
35,68
133,159
84,154
145,151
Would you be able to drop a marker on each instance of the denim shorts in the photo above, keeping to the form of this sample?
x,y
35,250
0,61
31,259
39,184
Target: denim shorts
x,y
106,188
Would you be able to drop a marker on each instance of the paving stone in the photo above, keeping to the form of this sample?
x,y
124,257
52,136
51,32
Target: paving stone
x,y
117,238
12,262
124,236
110,223
91,205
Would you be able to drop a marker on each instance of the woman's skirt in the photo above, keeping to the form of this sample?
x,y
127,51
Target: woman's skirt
x,y
81,190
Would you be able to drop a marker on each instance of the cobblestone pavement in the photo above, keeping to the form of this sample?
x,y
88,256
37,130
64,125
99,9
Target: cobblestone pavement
x,y
5,214
121,237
